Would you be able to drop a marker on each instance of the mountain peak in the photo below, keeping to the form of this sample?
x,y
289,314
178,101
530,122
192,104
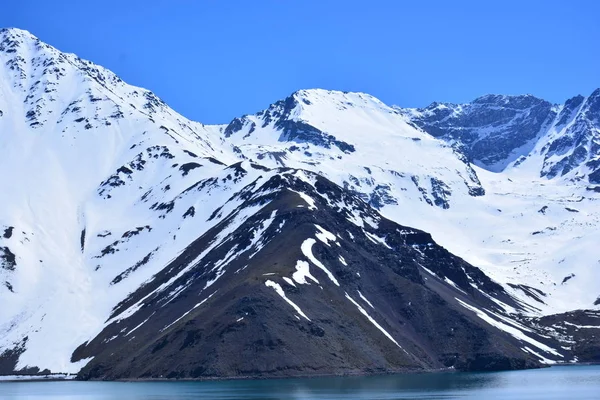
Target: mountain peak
x,y
310,96
12,38
595,93
520,101
17,32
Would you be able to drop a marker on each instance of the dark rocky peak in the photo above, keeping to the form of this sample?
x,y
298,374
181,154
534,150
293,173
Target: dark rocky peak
x,y
299,131
276,111
436,105
274,114
519,102
234,126
574,102
592,107
493,129
569,110
237,169
579,143
595,94
281,115
439,111
237,124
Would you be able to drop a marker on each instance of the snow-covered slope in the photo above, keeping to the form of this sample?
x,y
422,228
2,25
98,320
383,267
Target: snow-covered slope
x,y
104,186
90,167
536,225
524,227
359,142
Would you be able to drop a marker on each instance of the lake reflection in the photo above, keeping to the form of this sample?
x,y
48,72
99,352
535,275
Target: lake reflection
x,y
575,382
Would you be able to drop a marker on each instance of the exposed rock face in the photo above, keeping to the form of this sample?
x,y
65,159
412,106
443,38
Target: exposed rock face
x,y
496,131
579,331
578,145
280,116
318,294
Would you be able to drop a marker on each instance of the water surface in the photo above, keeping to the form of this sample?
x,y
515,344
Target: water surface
x,y
565,382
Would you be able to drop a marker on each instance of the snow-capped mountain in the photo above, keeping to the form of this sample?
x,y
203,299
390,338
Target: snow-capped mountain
x,y
523,227
134,240
90,165
500,132
355,140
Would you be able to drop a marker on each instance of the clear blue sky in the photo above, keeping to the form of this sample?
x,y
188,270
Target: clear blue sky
x,y
214,60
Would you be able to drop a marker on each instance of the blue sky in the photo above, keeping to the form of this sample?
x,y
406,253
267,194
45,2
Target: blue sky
x,y
214,60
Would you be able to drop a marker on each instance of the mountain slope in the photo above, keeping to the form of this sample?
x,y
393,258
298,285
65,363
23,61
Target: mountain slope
x,y
127,229
497,221
497,132
494,130
304,286
90,175
536,226
357,141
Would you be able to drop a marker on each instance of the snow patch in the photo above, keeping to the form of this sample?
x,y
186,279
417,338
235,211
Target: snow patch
x,y
364,312
514,332
138,326
543,359
281,293
325,236
309,200
376,239
289,281
303,272
187,312
582,326
306,248
365,300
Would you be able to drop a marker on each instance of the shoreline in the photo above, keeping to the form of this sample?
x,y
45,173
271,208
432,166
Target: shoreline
x,y
59,377
74,378
230,378
299,376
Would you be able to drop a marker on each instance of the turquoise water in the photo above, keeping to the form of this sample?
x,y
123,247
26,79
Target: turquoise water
x,y
572,382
